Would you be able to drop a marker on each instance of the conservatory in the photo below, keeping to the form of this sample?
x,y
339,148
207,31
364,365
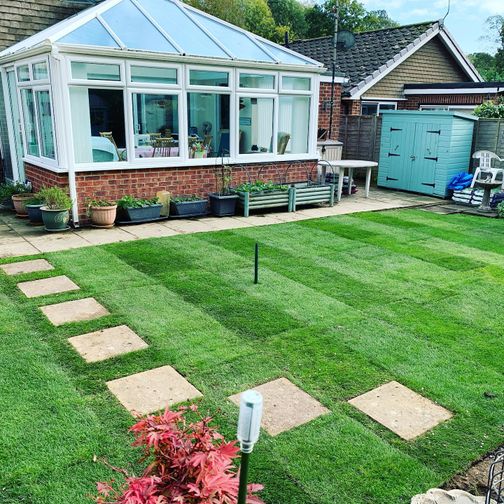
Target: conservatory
x,y
134,96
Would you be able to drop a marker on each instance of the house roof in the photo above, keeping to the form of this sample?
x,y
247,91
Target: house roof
x,y
161,26
375,51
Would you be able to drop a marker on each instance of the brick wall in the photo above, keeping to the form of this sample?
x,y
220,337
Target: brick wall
x,y
414,101
325,108
145,183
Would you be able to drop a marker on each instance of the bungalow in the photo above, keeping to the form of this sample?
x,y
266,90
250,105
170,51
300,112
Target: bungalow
x,y
390,69
137,96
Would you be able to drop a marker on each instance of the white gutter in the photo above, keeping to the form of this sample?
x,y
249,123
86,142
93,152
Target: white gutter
x,y
453,91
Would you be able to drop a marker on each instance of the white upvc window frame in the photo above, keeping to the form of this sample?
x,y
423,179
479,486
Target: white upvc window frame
x,y
378,103
242,71
96,82
155,85
295,91
207,68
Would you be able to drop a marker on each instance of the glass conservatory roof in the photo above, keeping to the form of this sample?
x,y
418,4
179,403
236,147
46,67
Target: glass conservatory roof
x,y
163,26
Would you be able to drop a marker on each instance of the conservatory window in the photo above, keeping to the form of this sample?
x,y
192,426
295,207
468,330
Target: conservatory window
x,y
23,73
98,125
154,75
257,81
40,71
30,128
95,71
256,125
156,125
45,124
208,78
208,124
293,127
296,83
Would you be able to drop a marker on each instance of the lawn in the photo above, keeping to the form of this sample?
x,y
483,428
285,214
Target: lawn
x,y
345,304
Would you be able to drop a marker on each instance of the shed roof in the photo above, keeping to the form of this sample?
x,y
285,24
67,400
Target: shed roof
x,y
163,26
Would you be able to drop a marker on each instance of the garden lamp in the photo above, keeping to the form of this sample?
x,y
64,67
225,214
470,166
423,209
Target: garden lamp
x,y
249,427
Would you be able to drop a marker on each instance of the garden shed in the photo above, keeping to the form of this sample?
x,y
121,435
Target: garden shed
x,y
137,96
421,151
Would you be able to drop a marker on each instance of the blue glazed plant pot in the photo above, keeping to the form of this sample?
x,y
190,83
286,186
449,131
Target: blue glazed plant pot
x,y
149,212
223,205
55,220
34,213
192,208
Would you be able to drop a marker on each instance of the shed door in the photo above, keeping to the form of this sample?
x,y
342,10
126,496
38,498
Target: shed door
x,y
397,156
425,158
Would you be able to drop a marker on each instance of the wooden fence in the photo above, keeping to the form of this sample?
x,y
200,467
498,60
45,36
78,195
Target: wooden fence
x,y
361,137
489,135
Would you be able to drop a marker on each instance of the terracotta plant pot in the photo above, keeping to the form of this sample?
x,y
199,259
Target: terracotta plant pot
x,y
19,201
103,217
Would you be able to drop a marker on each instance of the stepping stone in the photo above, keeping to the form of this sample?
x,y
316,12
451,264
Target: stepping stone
x,y
285,406
101,345
401,410
20,268
46,286
74,311
153,390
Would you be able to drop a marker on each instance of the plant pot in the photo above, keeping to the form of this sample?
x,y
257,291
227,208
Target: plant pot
x,y
7,203
55,220
150,212
103,216
223,205
35,213
19,201
195,208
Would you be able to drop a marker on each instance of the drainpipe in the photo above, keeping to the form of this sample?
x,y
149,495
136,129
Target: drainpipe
x,y
58,93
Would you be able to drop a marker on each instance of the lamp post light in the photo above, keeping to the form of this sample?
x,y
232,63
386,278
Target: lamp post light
x,y
249,427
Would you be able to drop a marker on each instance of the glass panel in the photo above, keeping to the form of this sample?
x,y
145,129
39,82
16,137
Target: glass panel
x,y
256,125
237,41
98,125
387,106
45,124
257,81
156,122
369,109
283,55
32,146
209,78
96,71
23,73
294,125
208,120
16,121
182,29
91,34
154,74
296,83
40,71
135,30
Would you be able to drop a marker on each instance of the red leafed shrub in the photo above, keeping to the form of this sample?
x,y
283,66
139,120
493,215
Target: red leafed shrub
x,y
190,463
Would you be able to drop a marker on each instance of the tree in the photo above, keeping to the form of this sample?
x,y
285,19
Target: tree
x,y
289,16
485,63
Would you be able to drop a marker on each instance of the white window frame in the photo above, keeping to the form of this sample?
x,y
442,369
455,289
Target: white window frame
x,y
154,85
295,91
241,72
97,82
378,103
447,107
190,87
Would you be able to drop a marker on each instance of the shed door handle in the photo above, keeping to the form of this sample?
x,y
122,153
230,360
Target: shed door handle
x,y
413,157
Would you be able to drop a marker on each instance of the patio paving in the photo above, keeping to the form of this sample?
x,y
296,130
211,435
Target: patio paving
x,y
102,345
401,410
153,390
74,311
46,286
18,238
20,268
285,406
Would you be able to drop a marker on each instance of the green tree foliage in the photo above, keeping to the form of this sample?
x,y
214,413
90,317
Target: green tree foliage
x,y
289,16
486,65
490,110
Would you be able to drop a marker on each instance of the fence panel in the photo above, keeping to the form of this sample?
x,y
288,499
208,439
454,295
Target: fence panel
x,y
489,135
361,137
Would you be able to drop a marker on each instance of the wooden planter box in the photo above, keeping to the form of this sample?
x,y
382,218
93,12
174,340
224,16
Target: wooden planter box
x,y
304,194
268,199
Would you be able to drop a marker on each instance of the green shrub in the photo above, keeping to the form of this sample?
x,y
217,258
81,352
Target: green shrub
x,y
129,201
500,210
186,198
55,198
260,186
8,189
490,110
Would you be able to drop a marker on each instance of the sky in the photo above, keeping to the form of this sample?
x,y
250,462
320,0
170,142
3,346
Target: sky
x,y
466,20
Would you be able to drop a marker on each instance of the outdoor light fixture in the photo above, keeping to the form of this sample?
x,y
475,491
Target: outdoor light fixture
x,y
249,427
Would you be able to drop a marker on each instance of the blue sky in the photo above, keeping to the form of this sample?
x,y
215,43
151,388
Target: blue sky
x,y
466,20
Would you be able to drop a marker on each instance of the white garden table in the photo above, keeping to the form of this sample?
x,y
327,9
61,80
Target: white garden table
x,y
339,167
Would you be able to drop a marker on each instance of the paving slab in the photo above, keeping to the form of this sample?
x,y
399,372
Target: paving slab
x,y
153,390
152,230
102,345
20,268
401,410
74,311
285,406
22,248
46,286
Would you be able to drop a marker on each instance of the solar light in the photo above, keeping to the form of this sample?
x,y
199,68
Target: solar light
x,y
249,427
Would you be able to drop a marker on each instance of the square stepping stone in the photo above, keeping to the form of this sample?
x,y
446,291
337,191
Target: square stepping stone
x,y
401,410
101,345
46,286
74,311
153,390
19,268
285,406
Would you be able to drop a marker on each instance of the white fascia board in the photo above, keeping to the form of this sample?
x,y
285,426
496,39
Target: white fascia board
x,y
43,48
382,99
327,79
454,91
357,91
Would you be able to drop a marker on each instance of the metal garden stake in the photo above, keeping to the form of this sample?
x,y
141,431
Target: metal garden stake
x,y
249,427
256,264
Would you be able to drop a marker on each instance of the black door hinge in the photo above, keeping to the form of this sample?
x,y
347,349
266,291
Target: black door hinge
x,y
437,132
432,158
430,185
395,129
391,154
390,178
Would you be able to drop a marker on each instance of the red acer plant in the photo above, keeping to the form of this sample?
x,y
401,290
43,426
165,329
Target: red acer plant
x,y
189,463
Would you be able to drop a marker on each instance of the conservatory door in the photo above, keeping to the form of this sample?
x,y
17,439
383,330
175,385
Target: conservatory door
x,y
17,148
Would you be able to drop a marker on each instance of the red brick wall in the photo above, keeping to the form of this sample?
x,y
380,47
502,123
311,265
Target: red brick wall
x,y
414,101
325,108
351,107
145,183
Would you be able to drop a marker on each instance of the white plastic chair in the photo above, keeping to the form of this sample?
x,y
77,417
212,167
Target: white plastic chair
x,y
485,164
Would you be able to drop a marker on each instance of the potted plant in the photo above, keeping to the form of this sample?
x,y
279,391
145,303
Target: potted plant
x,y
8,190
33,207
56,209
136,209
102,213
198,150
259,194
188,206
223,202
